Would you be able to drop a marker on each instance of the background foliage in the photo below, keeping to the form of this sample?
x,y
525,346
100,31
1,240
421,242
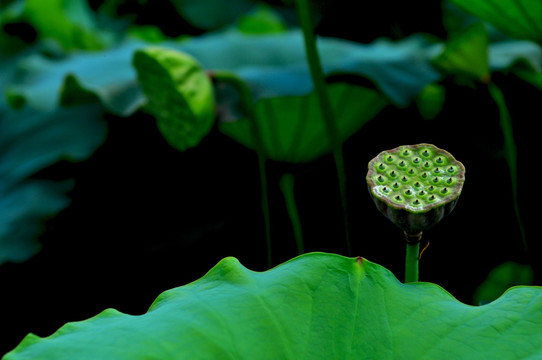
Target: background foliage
x,y
120,215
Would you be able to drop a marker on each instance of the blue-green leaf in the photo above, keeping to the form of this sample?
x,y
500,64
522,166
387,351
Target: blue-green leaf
x,y
30,141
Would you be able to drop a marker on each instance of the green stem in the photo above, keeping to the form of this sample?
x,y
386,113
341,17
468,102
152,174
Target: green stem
x,y
245,98
411,263
287,187
317,74
510,152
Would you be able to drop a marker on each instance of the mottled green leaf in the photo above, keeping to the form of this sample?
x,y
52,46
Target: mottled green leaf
x,y
180,95
292,128
316,306
517,18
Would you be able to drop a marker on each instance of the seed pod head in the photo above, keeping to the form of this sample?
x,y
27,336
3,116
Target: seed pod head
x,y
415,186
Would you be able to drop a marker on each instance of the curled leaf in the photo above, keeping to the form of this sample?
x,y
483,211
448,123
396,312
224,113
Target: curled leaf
x,y
180,95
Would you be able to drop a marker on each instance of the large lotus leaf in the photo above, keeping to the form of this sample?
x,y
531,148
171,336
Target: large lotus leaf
x,y
180,95
43,82
292,128
272,65
70,22
29,142
316,306
517,18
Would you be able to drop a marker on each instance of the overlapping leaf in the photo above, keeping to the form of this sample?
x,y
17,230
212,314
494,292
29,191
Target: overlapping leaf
x,y
316,306
292,128
272,65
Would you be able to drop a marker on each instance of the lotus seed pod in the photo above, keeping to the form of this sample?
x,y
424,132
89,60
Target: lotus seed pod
x,y
419,185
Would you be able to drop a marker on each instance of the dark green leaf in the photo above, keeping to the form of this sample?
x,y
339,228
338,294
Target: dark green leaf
x,y
467,54
502,278
212,14
517,18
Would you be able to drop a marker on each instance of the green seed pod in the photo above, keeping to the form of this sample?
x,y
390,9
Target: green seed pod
x,y
418,199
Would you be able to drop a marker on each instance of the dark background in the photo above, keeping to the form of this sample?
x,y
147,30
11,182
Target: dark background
x,y
145,218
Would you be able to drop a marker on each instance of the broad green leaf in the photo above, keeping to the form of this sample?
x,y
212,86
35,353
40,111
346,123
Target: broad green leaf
x,y
180,95
502,278
316,306
467,54
292,128
518,18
